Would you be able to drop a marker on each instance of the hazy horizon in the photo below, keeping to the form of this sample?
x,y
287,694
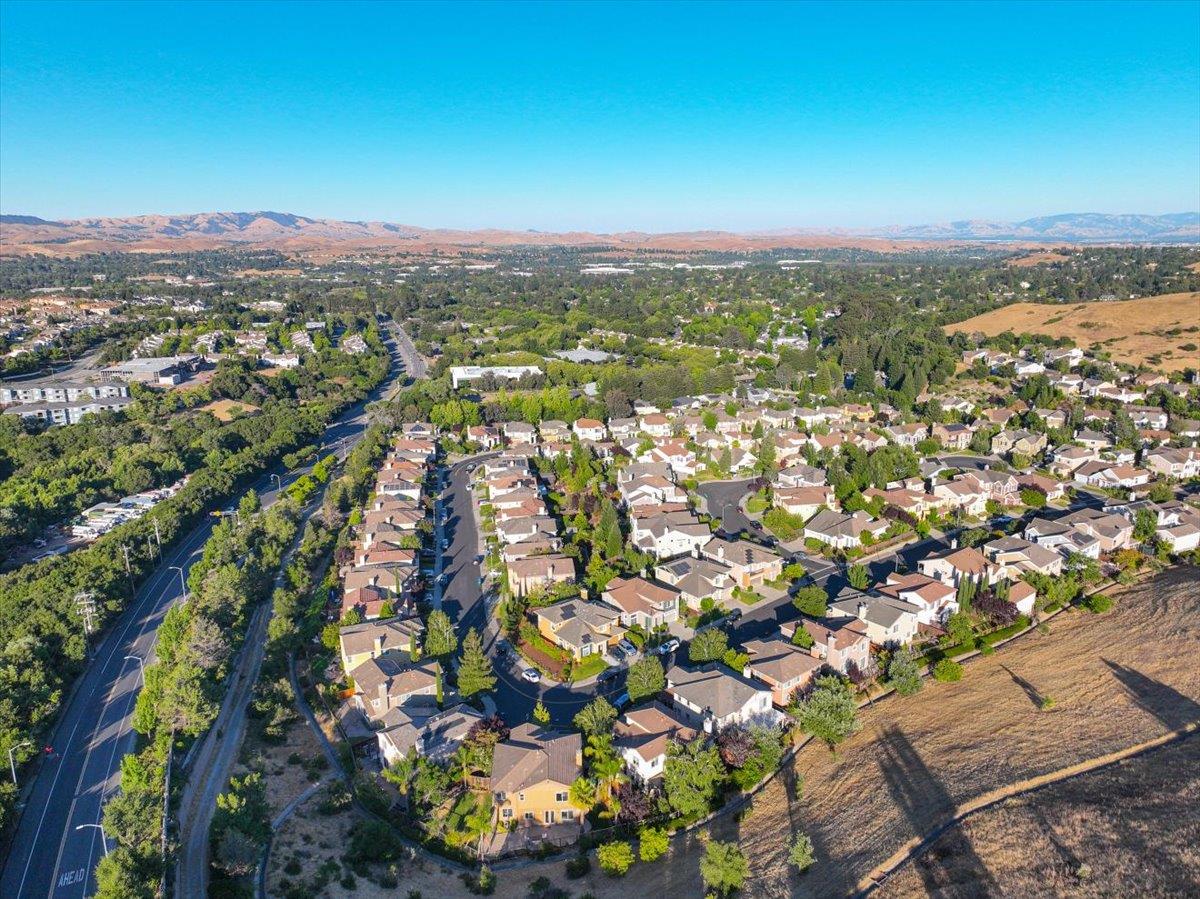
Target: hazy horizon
x,y
601,117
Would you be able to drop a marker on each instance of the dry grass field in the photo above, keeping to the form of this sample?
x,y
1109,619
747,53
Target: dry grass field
x,y
1132,829
1049,257
224,410
1165,327
1117,680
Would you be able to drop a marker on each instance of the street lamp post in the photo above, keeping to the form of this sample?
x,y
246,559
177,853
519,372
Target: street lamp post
x,y
103,838
141,667
182,582
278,483
11,764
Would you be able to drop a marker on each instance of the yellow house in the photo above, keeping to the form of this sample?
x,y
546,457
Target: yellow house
x,y
582,628
532,773
371,639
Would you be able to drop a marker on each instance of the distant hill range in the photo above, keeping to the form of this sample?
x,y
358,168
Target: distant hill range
x,y
284,231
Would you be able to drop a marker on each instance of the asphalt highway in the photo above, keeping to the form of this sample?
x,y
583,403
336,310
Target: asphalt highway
x,y
55,848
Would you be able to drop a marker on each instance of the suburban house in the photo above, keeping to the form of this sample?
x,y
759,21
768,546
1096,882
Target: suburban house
x,y
1019,557
426,732
642,735
1021,442
1053,490
781,666
373,639
888,621
386,683
533,573
714,698
669,534
935,601
801,475
1181,464
750,565
644,603
532,773
952,436
582,628
697,578
803,501
589,429
966,564
1107,475
842,644
843,530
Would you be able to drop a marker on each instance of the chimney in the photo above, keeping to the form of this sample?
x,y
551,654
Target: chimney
x,y
862,611
378,644
383,694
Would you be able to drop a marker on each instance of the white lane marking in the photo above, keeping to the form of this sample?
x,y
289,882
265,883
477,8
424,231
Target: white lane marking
x,y
183,551
72,877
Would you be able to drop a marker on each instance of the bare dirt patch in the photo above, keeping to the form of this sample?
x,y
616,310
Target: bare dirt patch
x,y
1129,830
224,410
1131,331
1049,257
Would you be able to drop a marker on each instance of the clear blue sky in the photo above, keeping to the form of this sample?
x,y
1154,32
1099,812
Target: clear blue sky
x,y
604,116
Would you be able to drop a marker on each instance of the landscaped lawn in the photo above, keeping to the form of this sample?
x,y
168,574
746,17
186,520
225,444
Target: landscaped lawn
x,y
588,666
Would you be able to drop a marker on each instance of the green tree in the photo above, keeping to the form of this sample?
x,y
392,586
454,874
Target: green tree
x,y
582,794
692,777
615,858
858,576
596,717
475,673
829,713
723,868
800,853
708,645
948,670
811,601
903,674
1145,524
653,842
541,714
440,639
646,679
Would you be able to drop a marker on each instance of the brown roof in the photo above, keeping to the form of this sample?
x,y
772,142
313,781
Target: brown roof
x,y
647,730
532,755
636,594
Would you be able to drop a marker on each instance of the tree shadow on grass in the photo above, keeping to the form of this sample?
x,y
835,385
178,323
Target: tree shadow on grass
x,y
955,870
1035,695
1165,703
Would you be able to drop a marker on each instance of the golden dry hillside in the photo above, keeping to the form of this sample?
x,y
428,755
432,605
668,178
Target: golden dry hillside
x,y
1163,331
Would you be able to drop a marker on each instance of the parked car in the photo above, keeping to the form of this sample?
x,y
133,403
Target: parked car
x,y
734,615
669,647
608,674
621,701
532,675
627,647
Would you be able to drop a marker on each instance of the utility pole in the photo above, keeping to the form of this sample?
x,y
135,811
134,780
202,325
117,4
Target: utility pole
x,y
86,604
158,539
128,569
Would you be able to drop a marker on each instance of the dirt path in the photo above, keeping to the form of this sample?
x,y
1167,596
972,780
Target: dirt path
x,y
1128,829
917,847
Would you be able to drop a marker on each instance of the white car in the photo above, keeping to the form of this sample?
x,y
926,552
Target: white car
x,y
532,675
669,647
628,648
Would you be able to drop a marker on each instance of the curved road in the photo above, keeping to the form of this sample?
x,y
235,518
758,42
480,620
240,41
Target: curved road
x,y
54,850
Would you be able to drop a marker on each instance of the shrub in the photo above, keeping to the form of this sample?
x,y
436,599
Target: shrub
x,y
481,884
947,671
1098,602
615,858
578,867
800,853
652,843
